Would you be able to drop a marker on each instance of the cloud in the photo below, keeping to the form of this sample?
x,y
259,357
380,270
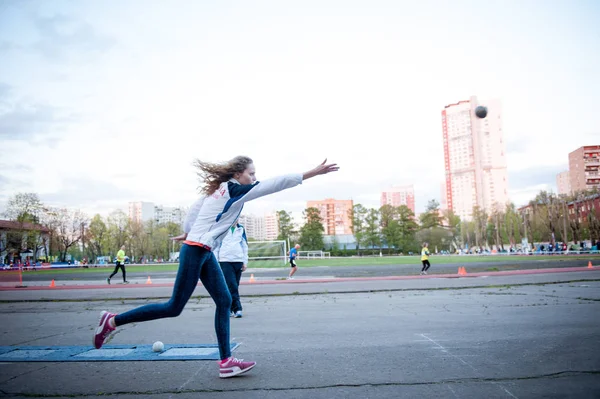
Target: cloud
x,y
62,36
6,186
90,195
536,176
4,181
22,122
5,90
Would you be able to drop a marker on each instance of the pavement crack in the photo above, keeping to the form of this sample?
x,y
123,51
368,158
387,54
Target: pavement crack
x,y
22,374
559,374
44,337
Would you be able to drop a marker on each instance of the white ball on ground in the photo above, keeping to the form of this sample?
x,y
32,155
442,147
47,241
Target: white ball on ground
x,y
158,346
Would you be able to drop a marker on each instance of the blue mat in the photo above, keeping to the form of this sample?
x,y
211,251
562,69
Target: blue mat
x,y
109,353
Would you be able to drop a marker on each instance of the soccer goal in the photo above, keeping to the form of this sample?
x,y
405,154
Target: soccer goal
x,y
313,255
267,253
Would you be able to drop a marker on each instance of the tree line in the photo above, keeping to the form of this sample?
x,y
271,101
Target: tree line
x,y
72,233
547,218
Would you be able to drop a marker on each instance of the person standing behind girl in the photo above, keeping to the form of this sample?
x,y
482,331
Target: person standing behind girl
x,y
232,255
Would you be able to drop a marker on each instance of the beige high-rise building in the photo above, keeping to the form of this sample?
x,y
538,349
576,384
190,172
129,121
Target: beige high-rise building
x,y
271,227
336,215
443,200
141,212
399,195
563,183
474,157
584,168
260,228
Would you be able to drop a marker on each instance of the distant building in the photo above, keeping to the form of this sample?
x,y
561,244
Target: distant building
x,y
399,195
474,158
563,183
261,228
141,212
336,215
167,214
584,168
16,245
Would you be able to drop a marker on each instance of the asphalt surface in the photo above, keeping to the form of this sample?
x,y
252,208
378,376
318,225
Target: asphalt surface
x,y
503,336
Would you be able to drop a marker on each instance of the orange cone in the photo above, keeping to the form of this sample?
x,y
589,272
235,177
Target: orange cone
x,y
52,285
459,270
148,281
590,265
252,278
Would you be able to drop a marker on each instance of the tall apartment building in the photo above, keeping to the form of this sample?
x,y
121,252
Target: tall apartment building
x,y
474,158
336,215
399,195
443,199
167,214
563,183
271,227
584,168
261,228
141,212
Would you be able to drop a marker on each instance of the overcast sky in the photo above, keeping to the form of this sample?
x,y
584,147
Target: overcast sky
x,y
106,102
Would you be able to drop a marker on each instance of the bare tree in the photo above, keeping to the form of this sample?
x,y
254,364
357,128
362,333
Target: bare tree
x,y
24,208
119,228
480,219
67,229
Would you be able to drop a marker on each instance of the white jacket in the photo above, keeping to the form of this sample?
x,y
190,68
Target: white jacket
x,y
211,216
234,246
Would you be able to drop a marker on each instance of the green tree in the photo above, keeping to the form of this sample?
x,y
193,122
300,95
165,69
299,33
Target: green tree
x,y
358,216
480,221
335,245
512,224
311,234
390,227
438,238
119,230
408,229
452,222
24,208
160,243
98,240
431,216
286,226
68,226
372,230
548,204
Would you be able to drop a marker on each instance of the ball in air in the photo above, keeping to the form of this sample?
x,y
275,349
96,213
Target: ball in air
x,y
481,111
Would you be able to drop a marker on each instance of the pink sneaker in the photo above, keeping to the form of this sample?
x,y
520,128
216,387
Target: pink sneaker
x,y
232,367
104,329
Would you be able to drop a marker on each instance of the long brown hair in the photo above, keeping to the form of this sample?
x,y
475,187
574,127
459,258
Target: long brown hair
x,y
213,174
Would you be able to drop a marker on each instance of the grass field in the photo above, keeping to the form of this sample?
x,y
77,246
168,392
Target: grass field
x,y
355,261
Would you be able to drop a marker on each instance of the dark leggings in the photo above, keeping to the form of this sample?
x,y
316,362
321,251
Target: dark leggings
x,y
118,266
194,262
426,265
233,273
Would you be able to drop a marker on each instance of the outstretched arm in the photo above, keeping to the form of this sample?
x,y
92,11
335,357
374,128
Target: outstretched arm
x,y
260,189
322,169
